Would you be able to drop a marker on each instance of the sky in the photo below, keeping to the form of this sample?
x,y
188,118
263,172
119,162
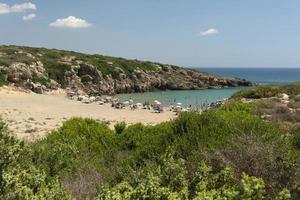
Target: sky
x,y
191,33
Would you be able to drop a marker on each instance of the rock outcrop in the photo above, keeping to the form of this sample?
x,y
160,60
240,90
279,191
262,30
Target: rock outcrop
x,y
43,71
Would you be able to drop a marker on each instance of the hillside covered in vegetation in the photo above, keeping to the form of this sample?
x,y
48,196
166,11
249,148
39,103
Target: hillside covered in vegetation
x,y
226,153
40,69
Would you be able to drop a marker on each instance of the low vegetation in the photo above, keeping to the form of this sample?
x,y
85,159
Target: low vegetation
x,y
20,178
56,66
226,153
268,91
279,104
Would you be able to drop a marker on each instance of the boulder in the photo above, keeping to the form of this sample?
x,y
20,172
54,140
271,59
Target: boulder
x,y
35,87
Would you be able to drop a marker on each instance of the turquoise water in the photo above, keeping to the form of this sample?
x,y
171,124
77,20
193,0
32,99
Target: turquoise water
x,y
198,97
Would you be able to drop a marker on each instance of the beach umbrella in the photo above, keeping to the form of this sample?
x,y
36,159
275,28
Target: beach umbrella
x,y
157,102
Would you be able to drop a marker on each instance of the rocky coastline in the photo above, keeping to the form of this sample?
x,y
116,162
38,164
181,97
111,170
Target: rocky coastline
x,y
30,68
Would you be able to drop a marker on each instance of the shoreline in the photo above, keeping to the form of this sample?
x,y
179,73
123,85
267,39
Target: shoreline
x,y
32,116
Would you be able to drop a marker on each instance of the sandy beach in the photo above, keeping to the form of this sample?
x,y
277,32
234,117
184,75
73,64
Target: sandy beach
x,y
32,116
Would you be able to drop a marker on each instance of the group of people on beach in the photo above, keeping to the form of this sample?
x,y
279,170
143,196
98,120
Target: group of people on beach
x,y
155,106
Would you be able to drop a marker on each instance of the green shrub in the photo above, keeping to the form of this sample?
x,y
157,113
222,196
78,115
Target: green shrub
x,y
57,72
170,180
4,63
134,162
267,91
40,80
238,107
86,78
3,79
119,127
258,92
78,143
296,140
19,177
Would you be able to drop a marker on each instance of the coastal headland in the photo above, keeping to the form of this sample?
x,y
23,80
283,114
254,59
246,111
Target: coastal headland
x,y
42,70
36,82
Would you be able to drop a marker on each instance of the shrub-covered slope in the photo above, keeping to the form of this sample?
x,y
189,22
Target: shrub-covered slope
x,y
193,157
279,104
42,69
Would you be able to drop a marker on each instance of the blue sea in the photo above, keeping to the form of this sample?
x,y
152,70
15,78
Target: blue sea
x,y
259,75
198,97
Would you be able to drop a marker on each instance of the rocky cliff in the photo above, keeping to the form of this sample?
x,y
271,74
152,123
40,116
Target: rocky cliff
x,y
40,70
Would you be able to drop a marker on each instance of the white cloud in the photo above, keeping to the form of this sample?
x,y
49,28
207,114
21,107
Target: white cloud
x,y
29,17
17,8
4,8
23,7
210,31
70,22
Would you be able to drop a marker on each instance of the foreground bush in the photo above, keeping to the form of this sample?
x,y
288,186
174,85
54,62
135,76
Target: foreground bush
x,y
81,153
19,178
79,142
119,127
86,154
169,180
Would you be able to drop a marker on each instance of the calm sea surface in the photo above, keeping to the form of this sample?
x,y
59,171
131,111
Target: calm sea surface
x,y
197,97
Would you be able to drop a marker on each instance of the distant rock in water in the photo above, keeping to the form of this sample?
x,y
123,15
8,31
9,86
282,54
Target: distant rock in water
x,y
40,70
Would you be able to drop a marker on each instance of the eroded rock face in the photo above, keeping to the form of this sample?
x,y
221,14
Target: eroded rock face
x,y
18,72
170,78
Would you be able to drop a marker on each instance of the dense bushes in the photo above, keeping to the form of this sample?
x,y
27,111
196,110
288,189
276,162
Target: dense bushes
x,y
19,177
258,92
56,70
169,180
119,127
195,156
78,143
268,91
129,160
81,152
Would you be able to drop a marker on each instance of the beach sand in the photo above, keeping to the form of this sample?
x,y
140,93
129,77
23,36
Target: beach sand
x,y
32,116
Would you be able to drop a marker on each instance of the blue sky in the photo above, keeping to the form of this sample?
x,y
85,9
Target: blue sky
x,y
198,33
